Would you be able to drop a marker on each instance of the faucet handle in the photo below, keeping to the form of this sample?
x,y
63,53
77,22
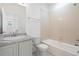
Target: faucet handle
x,y
77,51
77,40
76,45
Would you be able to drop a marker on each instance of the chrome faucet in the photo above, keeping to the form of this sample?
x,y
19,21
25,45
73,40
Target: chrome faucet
x,y
77,42
13,34
77,51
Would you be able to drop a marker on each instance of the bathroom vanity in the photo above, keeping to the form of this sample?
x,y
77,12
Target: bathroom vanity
x,y
13,22
21,46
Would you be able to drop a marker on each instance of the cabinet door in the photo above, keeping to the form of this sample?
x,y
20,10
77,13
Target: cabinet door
x,y
10,50
25,48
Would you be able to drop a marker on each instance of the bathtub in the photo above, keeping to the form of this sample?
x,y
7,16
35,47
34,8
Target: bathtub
x,y
61,49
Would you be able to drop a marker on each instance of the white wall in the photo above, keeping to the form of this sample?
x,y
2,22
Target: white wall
x,y
44,21
34,20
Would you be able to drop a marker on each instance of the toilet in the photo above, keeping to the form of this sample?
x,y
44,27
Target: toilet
x,y
42,49
39,48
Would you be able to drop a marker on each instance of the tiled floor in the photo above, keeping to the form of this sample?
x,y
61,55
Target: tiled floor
x,y
39,54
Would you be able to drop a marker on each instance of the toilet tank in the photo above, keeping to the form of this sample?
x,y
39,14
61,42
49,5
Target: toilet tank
x,y
36,41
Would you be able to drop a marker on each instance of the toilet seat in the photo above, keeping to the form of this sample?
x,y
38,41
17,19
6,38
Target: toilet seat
x,y
42,47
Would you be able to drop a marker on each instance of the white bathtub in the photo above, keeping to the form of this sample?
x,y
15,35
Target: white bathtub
x,y
61,49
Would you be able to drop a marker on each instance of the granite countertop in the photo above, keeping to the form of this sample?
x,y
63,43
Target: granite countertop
x,y
13,40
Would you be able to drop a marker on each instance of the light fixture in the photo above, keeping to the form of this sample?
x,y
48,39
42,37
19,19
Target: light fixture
x,y
60,19
59,6
75,4
23,4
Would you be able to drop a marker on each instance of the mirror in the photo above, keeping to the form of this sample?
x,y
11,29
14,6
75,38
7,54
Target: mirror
x,y
1,31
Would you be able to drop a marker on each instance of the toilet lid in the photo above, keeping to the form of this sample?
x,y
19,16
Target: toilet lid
x,y
42,46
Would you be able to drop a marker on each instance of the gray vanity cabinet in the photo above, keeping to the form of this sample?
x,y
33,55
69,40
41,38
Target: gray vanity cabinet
x,y
25,48
17,49
9,50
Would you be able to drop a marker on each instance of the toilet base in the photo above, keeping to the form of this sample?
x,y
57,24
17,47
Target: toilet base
x,y
44,53
39,53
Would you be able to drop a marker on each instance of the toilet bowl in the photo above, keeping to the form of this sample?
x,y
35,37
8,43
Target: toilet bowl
x,y
42,48
39,47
